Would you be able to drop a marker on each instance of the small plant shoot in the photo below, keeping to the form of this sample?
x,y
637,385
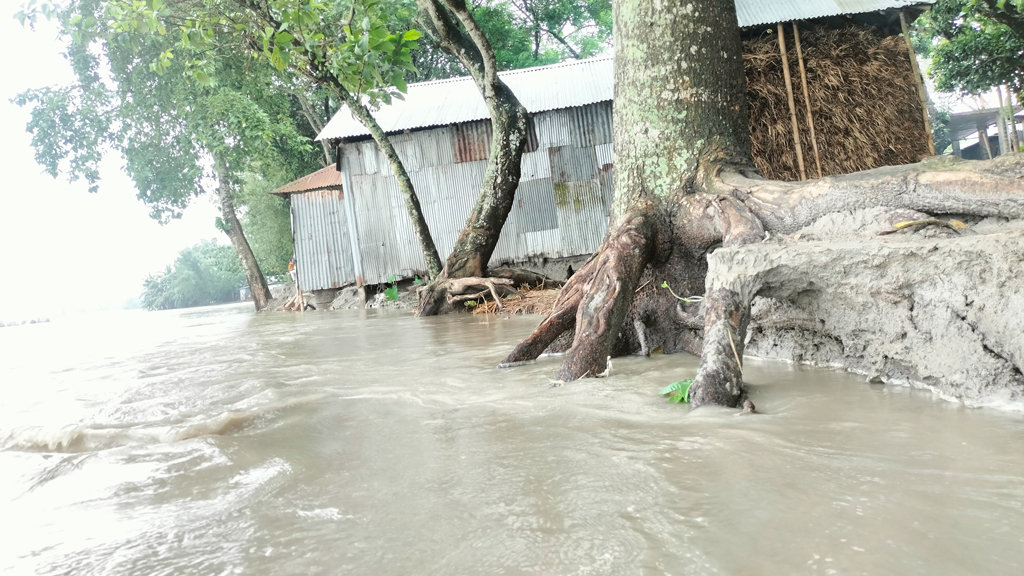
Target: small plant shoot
x,y
688,299
391,292
680,391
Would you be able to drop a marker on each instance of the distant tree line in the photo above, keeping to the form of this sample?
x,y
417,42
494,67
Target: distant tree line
x,y
207,273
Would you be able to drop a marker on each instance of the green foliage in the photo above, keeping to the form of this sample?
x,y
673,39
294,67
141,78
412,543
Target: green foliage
x,y
680,391
974,45
207,273
417,281
391,292
535,32
940,118
266,219
155,110
470,303
350,45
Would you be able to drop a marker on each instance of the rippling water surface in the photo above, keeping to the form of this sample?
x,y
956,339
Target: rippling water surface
x,y
215,441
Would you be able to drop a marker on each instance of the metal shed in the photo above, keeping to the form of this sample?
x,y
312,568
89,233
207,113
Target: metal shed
x,y
323,230
561,205
442,133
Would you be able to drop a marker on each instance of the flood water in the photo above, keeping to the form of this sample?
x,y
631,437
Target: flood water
x,y
215,441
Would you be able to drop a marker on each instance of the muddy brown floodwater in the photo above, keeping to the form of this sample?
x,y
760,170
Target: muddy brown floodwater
x,y
215,441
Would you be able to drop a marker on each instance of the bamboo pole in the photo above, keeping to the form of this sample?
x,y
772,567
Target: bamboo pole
x,y
921,93
807,97
792,102
1014,135
1004,136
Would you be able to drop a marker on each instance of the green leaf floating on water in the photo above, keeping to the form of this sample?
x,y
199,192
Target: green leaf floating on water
x,y
680,391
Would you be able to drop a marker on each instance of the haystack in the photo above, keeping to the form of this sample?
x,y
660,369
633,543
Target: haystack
x,y
864,101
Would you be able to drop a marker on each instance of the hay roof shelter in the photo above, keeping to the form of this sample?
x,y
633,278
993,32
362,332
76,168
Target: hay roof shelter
x,y
863,101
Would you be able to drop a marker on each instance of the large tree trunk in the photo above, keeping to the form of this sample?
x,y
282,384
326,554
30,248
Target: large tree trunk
x,y
685,185
479,237
680,104
233,228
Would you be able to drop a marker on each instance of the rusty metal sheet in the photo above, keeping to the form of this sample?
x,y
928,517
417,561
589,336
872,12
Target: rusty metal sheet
x,y
554,128
472,141
321,179
535,165
606,178
590,125
531,136
437,146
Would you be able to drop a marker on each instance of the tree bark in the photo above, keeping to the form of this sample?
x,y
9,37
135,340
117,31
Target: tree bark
x,y
476,242
685,185
233,228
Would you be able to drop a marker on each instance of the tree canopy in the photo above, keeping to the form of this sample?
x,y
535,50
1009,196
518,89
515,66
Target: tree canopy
x,y
207,273
168,129
975,45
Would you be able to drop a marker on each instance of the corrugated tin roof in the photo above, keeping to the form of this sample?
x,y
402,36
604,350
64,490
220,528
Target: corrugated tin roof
x,y
457,100
322,179
566,84
756,12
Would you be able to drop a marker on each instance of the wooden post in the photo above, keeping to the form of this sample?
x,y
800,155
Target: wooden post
x,y
792,102
983,143
922,95
956,147
807,97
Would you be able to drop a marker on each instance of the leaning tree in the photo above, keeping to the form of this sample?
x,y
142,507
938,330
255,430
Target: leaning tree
x,y
686,185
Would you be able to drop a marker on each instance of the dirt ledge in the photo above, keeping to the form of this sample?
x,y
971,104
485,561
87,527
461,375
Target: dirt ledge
x,y
930,309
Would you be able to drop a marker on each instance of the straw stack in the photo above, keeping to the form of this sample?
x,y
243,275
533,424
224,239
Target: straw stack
x,y
864,100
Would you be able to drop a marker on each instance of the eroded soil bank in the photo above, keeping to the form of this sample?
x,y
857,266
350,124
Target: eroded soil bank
x,y
926,307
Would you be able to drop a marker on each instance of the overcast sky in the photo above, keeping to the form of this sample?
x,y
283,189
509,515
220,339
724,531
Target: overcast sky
x,y
63,249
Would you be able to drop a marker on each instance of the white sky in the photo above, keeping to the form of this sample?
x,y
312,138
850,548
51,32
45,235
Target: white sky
x,y
62,249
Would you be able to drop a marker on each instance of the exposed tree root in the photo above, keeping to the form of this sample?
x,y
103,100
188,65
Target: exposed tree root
x,y
736,210
561,319
443,291
726,317
608,294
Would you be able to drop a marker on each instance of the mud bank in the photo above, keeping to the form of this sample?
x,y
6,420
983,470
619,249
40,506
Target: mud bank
x,y
931,308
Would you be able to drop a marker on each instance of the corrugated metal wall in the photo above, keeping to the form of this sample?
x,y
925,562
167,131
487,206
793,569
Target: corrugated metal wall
x,y
561,206
323,248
